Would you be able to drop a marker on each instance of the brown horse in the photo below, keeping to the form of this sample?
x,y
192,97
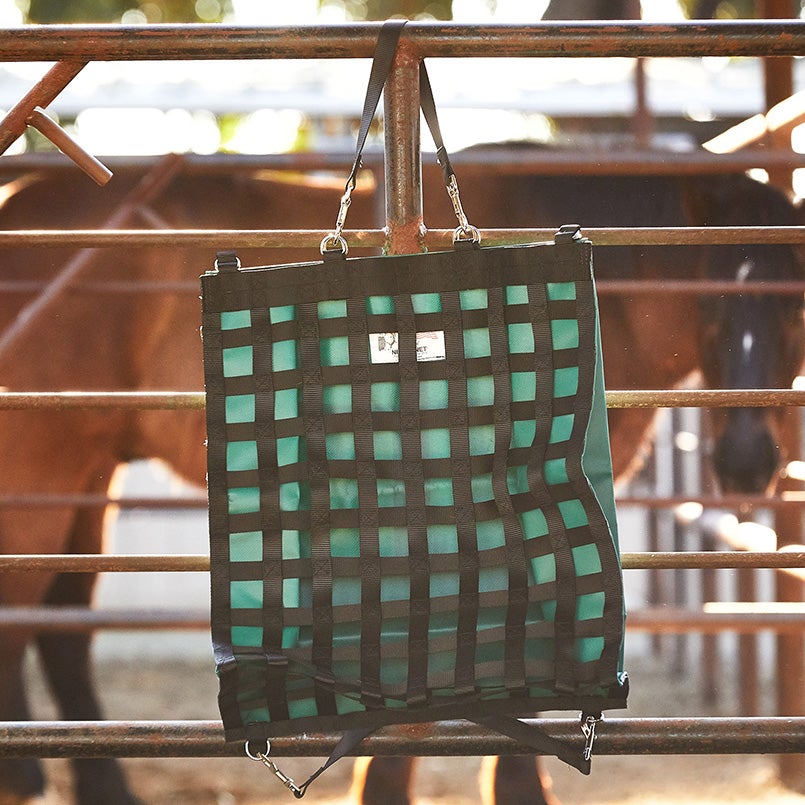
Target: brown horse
x,y
742,341
98,340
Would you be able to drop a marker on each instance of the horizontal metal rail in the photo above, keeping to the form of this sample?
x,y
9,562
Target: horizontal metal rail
x,y
130,400
604,287
521,161
614,736
653,619
376,238
45,500
705,398
357,40
194,563
195,400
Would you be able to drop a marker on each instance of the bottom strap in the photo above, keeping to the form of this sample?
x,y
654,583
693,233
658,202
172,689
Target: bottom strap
x,y
540,741
348,742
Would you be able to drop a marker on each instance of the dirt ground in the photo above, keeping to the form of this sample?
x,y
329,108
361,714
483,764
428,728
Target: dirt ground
x,y
188,691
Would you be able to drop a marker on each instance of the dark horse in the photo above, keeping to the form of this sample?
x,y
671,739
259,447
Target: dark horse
x,y
733,341
94,339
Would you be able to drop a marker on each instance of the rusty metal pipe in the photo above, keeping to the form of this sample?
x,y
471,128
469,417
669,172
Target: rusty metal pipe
x,y
35,500
130,400
604,287
403,170
534,162
41,94
195,400
705,398
357,40
663,620
194,563
435,238
93,167
614,736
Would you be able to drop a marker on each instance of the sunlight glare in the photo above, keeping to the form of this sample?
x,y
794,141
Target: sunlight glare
x,y
10,14
267,131
147,132
661,11
259,12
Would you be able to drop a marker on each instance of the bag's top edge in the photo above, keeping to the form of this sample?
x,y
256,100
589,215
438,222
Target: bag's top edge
x,y
428,272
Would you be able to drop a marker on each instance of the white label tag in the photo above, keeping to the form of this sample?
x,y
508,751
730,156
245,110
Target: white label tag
x,y
384,347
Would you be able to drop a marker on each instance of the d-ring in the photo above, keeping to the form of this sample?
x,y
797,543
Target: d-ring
x,y
469,234
338,244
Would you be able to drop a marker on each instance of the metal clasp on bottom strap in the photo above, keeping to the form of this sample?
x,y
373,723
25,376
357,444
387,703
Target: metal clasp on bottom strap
x,y
588,725
263,758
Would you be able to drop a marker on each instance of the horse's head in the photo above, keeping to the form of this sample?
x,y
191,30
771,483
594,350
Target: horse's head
x,y
749,340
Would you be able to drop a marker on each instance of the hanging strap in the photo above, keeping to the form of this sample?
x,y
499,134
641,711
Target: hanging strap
x,y
386,48
544,744
381,68
348,742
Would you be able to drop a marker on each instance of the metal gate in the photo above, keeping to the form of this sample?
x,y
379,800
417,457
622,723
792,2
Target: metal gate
x,y
75,45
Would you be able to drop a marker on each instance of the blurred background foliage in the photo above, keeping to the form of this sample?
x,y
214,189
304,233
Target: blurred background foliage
x,y
129,11
156,11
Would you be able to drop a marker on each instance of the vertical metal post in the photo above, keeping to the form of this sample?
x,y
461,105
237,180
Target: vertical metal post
x,y
778,85
791,647
403,155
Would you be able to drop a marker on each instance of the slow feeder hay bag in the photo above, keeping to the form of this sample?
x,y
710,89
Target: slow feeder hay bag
x,y
410,489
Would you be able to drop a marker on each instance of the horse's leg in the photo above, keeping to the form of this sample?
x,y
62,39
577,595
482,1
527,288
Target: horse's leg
x,y
67,664
383,780
515,780
20,780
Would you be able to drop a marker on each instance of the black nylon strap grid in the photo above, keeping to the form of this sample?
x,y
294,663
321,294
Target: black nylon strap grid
x,y
483,488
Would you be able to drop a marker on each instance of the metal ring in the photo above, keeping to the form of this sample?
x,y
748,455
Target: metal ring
x,y
468,233
337,240
260,755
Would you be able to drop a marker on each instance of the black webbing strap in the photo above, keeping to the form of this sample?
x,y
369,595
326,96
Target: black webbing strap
x,y
463,504
320,550
348,742
516,560
564,618
419,572
272,619
533,737
381,67
368,506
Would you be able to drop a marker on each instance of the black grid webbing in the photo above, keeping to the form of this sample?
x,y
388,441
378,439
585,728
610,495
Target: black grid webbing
x,y
373,604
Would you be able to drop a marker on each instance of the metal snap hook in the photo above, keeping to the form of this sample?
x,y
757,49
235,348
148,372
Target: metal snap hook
x,y
263,758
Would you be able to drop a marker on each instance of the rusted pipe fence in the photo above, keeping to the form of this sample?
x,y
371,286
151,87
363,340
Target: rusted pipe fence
x,y
518,161
654,620
435,238
617,736
430,40
195,400
614,736
44,500
195,563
